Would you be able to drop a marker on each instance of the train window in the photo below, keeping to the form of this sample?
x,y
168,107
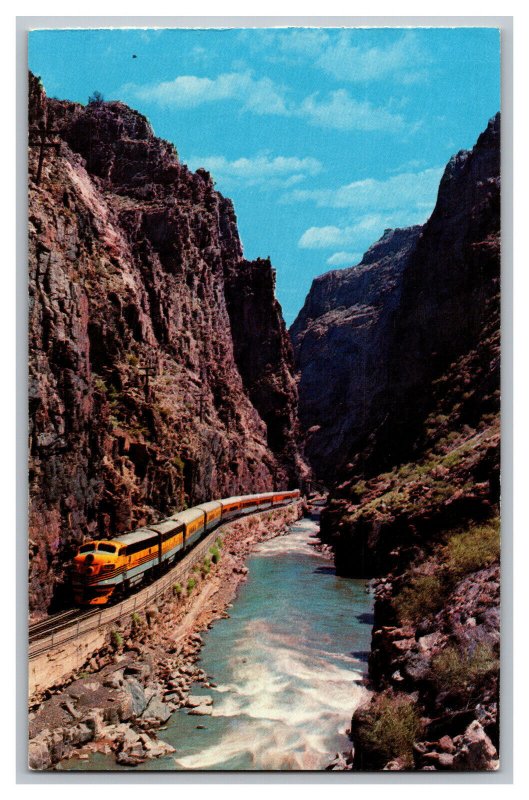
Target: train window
x,y
87,548
142,545
122,551
107,548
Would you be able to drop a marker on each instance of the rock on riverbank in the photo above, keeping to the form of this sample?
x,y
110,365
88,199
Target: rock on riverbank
x,y
127,691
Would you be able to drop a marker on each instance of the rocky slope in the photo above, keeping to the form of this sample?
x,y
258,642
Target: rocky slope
x,y
416,499
136,262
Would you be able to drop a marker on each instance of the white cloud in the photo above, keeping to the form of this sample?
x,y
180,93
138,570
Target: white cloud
x,y
403,60
415,189
342,112
342,259
360,233
338,110
260,95
328,236
262,170
338,53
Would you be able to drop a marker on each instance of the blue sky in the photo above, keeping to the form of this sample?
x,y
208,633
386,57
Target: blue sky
x,y
322,137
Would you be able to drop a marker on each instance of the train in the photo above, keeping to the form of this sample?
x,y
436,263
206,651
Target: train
x,y
106,567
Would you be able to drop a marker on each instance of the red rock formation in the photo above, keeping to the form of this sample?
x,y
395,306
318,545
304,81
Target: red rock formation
x,y
135,261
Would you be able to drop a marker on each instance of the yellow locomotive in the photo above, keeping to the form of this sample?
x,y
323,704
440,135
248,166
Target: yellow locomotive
x,y
104,567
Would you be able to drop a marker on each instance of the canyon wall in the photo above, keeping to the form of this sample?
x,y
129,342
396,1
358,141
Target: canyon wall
x,y
342,339
414,500
142,395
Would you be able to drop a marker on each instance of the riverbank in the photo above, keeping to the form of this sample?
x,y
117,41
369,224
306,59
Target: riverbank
x,y
118,702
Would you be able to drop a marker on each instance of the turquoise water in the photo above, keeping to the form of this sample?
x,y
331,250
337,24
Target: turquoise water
x,y
288,664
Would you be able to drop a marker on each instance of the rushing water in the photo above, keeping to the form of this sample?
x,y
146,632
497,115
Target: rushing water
x,y
288,664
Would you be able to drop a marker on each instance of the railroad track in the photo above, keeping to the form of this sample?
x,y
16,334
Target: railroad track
x,y
67,625
64,619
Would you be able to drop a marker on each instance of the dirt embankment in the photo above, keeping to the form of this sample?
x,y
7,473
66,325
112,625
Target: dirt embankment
x,y
128,690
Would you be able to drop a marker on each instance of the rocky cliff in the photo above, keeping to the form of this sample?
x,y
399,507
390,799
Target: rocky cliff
x,y
143,311
439,427
342,339
415,498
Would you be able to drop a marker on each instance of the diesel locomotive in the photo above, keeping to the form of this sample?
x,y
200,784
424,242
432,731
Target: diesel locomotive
x,y
107,566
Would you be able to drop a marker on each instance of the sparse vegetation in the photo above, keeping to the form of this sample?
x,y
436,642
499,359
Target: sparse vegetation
x,y
465,551
206,566
116,638
455,671
425,595
136,624
474,549
389,728
177,590
179,464
215,554
95,99
100,385
191,583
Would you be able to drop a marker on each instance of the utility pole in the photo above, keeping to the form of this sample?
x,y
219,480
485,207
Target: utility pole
x,y
148,369
38,138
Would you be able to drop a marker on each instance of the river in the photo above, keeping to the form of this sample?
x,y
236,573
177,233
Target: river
x,y
289,664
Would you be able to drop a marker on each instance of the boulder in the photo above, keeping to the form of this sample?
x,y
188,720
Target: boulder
x,y
157,710
193,701
201,711
38,754
475,750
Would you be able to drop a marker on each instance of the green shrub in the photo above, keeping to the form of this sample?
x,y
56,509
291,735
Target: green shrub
x,y
474,549
218,542
95,99
179,464
116,638
133,359
100,385
389,728
177,589
359,488
206,566
191,585
454,670
424,595
215,554
136,625
452,459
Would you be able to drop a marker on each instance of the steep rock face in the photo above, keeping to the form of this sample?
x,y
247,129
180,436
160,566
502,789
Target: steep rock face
x,y
370,339
342,338
134,261
263,353
450,293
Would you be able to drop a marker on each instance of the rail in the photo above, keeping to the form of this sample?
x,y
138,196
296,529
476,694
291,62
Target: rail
x,y
92,620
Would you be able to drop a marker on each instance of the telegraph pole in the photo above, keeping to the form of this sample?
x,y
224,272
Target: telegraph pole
x,y
40,137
